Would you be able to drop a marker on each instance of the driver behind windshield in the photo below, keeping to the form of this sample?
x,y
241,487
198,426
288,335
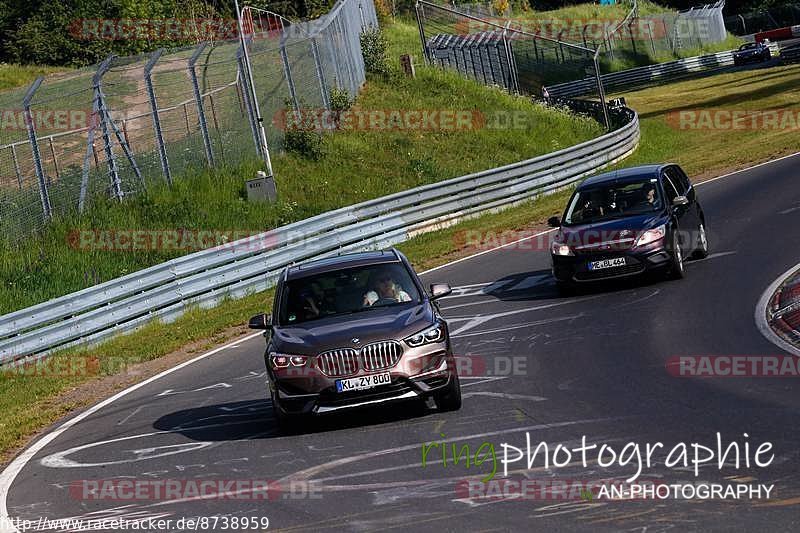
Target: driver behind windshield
x,y
384,290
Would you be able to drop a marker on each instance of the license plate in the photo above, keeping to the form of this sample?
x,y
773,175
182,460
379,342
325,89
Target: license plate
x,y
607,263
363,382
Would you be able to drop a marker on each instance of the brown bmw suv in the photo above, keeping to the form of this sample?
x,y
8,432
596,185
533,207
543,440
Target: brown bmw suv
x,y
353,331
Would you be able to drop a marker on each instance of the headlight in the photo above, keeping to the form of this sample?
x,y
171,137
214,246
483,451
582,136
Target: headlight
x,y
431,334
282,360
559,248
651,235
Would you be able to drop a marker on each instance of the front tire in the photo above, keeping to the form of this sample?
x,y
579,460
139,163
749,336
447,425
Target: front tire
x,y
566,289
676,268
288,424
450,398
701,251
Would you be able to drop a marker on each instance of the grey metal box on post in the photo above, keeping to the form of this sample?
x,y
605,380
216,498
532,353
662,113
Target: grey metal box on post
x,y
261,188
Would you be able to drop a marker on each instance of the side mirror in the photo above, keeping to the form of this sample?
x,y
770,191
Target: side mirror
x,y
680,200
261,321
554,222
439,290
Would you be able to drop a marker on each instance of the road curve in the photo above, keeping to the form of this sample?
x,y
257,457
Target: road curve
x,y
592,365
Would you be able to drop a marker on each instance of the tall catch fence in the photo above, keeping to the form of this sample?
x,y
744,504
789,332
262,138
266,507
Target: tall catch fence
x,y
766,19
115,128
499,54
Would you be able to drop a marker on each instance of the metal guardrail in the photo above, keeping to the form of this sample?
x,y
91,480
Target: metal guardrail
x,y
790,54
642,76
233,270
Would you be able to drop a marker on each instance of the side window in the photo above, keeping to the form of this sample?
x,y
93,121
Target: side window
x,y
678,180
669,189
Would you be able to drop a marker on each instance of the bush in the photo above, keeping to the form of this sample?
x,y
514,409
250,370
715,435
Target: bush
x,y
340,102
373,47
301,135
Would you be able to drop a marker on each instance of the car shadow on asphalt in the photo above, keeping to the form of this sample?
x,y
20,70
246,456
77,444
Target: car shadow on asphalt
x,y
540,285
253,419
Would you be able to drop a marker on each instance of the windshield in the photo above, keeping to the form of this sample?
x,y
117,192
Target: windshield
x,y
346,291
747,46
613,200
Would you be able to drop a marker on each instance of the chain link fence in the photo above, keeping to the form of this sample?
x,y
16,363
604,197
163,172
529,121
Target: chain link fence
x,y
114,128
763,19
496,54
637,37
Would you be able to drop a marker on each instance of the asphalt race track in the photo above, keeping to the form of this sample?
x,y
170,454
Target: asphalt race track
x,y
593,365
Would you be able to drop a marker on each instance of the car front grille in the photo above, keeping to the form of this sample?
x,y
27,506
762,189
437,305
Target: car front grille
x,y
381,355
338,363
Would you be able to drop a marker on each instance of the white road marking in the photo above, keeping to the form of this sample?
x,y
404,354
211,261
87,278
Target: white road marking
x,y
504,396
518,326
130,415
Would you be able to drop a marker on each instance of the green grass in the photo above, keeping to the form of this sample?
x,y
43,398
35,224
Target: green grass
x,y
706,151
592,11
12,76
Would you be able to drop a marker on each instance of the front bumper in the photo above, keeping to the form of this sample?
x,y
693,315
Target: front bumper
x,y
317,396
575,268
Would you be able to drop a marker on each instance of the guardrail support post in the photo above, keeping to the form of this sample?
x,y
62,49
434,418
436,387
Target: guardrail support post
x,y
198,98
44,194
151,93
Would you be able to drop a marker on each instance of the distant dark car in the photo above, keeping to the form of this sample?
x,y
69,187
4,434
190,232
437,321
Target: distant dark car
x,y
352,331
628,222
790,54
751,53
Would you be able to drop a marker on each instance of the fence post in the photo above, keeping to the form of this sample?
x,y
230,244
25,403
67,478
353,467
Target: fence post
x,y
113,171
601,92
16,165
512,65
287,74
198,98
246,93
90,149
44,194
246,69
425,52
323,87
151,93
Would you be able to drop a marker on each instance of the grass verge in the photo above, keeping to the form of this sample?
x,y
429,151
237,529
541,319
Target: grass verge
x,y
12,76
